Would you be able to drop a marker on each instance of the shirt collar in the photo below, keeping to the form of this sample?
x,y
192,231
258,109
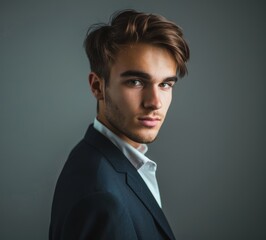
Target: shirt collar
x,y
135,155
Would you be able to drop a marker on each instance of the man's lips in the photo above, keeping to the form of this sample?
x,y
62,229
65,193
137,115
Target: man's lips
x,y
149,121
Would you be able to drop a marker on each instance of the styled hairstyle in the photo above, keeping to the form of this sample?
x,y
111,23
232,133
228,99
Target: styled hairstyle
x,y
103,41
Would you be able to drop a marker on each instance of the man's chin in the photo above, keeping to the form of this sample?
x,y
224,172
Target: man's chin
x,y
143,138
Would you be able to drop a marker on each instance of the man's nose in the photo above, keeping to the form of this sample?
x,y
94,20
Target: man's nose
x,y
152,98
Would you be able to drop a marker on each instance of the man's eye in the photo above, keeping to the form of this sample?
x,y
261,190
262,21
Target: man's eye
x,y
166,85
135,83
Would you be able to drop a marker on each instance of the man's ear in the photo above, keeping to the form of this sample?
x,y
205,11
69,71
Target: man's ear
x,y
96,85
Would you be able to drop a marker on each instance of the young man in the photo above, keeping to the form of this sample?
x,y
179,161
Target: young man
x,y
108,188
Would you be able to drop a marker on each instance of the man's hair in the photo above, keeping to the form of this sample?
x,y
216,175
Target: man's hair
x,y
103,41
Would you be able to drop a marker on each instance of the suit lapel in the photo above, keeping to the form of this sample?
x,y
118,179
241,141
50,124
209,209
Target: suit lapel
x,y
139,187
134,180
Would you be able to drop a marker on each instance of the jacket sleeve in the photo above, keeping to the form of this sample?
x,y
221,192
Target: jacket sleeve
x,y
99,216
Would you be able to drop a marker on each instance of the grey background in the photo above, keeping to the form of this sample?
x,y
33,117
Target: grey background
x,y
211,150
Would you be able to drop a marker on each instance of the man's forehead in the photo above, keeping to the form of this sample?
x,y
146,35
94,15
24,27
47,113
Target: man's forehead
x,y
135,52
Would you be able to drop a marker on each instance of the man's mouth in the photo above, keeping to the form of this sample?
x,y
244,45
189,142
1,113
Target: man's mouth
x,y
149,121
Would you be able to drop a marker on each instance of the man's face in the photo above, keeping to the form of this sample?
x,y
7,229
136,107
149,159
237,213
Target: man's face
x,y
139,93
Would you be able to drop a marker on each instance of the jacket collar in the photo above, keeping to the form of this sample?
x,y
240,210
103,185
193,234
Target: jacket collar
x,y
134,180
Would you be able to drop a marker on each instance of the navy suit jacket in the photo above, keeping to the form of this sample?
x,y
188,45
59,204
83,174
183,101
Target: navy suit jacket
x,y
100,195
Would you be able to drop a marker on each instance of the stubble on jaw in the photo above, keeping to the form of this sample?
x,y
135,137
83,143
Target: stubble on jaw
x,y
116,119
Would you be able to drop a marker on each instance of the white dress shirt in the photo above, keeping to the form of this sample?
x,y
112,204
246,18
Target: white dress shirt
x,y
145,167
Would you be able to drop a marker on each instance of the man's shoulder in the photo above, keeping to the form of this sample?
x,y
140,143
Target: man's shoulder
x,y
84,160
81,171
92,146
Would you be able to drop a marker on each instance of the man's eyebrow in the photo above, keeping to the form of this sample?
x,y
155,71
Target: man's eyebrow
x,y
132,73
171,79
143,75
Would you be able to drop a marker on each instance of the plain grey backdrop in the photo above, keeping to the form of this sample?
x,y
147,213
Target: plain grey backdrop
x,y
211,151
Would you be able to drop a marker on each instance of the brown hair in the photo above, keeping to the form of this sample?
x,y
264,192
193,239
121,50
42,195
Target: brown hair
x,y
103,41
